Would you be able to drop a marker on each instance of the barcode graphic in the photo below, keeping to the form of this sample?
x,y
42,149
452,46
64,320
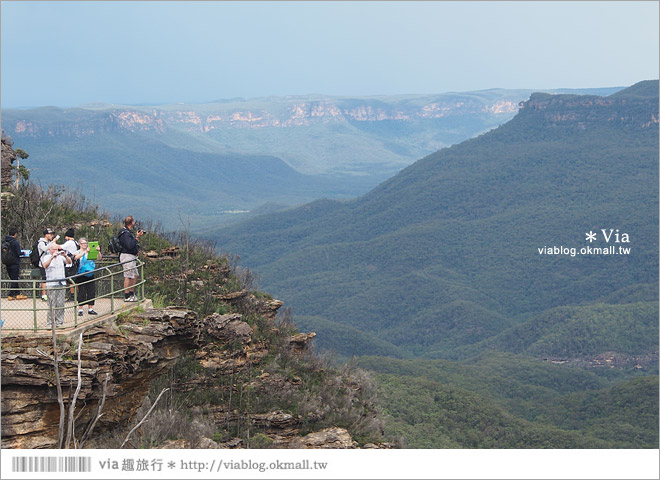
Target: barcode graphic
x,y
51,464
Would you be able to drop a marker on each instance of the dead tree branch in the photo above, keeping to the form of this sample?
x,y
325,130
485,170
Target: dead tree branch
x,y
98,415
143,418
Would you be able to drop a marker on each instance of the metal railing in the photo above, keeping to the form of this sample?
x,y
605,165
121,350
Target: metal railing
x,y
26,311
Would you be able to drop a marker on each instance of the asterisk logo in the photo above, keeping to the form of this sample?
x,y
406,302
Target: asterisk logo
x,y
591,236
171,465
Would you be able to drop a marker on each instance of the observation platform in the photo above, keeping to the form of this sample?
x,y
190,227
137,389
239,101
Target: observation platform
x,y
29,316
22,318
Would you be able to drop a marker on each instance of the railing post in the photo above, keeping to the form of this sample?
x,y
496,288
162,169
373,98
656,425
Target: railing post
x,y
142,280
34,303
75,301
112,291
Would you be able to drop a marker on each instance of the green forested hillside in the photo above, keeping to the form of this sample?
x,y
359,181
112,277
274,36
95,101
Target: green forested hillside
x,y
428,414
451,244
457,259
141,173
505,401
573,332
344,338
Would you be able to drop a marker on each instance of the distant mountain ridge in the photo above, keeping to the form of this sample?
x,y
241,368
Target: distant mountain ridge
x,y
333,147
302,112
309,147
454,116
258,113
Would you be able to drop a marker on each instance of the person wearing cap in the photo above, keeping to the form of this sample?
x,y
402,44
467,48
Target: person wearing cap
x,y
43,246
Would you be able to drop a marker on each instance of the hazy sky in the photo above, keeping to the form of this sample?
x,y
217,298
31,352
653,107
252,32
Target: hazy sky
x,y
69,53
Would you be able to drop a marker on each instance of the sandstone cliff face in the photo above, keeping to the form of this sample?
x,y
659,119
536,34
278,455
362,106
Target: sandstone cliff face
x,y
30,411
134,351
287,113
585,111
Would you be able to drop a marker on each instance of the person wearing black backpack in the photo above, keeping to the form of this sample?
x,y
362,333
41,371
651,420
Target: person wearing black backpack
x,y
71,247
41,248
12,260
128,256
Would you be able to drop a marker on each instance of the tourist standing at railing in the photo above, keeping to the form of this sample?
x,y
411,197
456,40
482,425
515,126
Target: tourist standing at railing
x,y
86,283
71,247
14,264
54,263
128,257
43,246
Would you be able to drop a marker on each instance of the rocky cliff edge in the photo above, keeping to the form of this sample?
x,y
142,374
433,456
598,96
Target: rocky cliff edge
x,y
229,356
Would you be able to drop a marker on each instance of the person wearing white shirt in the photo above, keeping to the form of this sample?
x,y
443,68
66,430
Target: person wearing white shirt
x,y
70,244
54,262
71,247
42,246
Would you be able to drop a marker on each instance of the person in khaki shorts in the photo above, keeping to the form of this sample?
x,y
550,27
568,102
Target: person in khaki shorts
x,y
129,252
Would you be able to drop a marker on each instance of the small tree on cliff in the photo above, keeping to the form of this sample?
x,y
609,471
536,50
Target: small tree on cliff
x,y
21,170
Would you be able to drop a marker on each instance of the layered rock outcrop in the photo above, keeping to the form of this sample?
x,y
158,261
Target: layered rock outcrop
x,y
132,352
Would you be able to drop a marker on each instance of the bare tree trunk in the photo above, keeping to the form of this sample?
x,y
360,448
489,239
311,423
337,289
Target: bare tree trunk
x,y
58,383
72,407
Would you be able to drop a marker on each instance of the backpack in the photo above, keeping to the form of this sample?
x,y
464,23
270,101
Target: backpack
x,y
35,257
88,268
8,254
72,269
115,245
